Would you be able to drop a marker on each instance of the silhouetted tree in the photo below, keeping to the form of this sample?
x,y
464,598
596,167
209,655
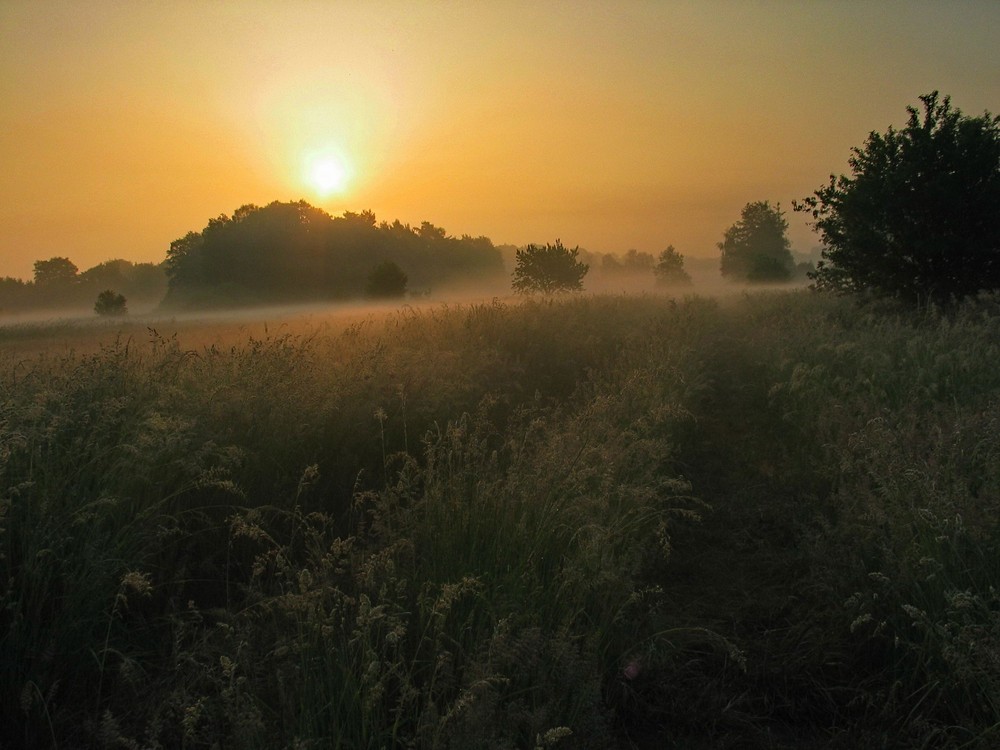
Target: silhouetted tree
x,y
756,248
669,269
109,303
430,232
183,264
386,280
548,269
55,271
919,217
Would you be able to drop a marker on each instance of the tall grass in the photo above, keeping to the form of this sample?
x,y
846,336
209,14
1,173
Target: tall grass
x,y
594,522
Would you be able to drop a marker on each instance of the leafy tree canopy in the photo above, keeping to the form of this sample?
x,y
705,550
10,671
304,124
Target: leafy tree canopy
x,y
386,281
756,247
110,302
919,216
548,269
669,269
55,271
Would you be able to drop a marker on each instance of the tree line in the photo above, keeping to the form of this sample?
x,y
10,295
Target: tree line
x,y
917,220
58,283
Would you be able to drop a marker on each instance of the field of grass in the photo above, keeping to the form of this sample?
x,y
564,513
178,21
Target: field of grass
x,y
769,521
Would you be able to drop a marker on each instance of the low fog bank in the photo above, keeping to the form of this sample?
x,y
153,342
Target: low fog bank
x,y
79,314
706,280
704,272
82,330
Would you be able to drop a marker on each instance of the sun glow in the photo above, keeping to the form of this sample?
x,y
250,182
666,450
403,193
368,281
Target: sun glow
x,y
327,172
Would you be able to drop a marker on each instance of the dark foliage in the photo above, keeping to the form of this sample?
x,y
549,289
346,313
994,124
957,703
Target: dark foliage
x,y
55,272
919,216
57,284
756,248
669,269
138,281
548,269
15,294
293,251
109,303
387,280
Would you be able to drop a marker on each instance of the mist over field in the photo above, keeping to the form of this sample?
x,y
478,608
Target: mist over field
x,y
39,330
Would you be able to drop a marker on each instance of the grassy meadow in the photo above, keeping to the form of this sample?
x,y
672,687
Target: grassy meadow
x,y
762,521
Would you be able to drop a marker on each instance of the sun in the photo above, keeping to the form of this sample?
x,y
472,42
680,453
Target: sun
x,y
327,173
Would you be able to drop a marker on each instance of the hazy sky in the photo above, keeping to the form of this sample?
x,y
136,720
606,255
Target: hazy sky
x,y
610,125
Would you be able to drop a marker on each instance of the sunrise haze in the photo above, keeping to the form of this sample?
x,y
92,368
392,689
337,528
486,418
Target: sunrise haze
x,y
608,125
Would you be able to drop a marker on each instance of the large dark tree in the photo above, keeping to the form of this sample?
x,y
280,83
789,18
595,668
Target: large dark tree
x,y
919,216
756,248
548,269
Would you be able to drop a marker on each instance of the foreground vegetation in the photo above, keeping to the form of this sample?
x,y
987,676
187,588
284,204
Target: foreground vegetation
x,y
599,522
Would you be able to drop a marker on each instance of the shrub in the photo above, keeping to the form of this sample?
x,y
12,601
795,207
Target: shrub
x,y
548,269
669,269
386,280
110,302
919,217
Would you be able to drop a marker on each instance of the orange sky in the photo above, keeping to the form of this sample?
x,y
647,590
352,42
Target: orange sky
x,y
610,125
